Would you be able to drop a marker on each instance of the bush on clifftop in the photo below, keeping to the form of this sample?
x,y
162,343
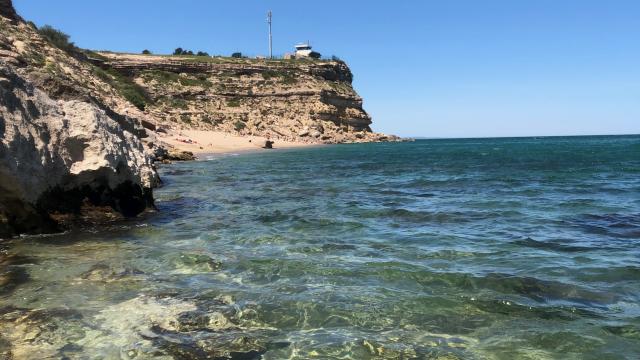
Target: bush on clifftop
x,y
181,51
57,38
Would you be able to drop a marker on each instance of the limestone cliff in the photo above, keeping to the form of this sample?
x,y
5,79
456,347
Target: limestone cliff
x,y
295,100
77,127
68,140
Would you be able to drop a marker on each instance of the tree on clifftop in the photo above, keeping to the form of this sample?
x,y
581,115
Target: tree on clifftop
x,y
178,51
146,52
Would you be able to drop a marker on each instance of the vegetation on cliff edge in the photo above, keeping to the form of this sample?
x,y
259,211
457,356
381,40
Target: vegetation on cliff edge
x,y
131,91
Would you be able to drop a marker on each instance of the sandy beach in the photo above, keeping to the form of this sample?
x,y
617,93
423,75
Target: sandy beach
x,y
218,142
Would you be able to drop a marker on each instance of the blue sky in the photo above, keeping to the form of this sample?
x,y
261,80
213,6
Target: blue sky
x,y
455,68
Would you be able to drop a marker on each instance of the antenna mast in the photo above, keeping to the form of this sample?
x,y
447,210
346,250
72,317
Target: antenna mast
x,y
269,17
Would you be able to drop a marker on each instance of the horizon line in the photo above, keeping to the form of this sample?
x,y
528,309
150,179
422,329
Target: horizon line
x,y
509,136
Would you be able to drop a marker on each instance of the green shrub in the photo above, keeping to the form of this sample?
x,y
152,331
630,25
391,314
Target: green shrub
x,y
289,79
146,52
269,74
198,81
233,103
57,38
125,86
166,77
285,76
239,125
209,120
181,51
135,95
161,76
185,118
236,55
95,55
175,102
35,59
202,53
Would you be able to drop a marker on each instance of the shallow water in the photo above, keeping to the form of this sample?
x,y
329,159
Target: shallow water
x,y
454,249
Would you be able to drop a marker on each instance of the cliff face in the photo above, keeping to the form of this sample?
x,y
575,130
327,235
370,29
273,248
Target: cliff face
x,y
72,122
295,100
68,140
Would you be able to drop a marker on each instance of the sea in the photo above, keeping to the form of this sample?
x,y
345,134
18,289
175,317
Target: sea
x,y
507,248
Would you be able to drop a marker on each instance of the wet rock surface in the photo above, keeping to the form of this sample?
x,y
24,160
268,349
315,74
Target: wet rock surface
x,y
142,327
195,263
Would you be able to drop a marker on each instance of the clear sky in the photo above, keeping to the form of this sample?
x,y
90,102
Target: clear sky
x,y
454,68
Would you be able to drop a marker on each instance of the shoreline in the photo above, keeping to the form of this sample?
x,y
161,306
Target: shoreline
x,y
204,156
209,142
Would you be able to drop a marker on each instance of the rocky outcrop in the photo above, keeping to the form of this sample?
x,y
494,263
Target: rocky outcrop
x,y
68,142
295,100
55,155
7,11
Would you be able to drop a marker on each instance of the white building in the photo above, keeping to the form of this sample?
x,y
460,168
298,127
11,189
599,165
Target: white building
x,y
304,51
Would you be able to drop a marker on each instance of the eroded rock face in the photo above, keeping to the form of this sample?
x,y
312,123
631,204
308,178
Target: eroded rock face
x,y
70,144
56,155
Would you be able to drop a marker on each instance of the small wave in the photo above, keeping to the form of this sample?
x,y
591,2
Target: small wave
x,y
275,216
545,312
305,223
177,172
553,245
544,290
626,331
610,274
616,225
441,217
539,290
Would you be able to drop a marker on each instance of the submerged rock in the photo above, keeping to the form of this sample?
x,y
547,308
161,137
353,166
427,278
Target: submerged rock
x,y
105,273
40,333
216,346
199,321
196,263
177,155
11,274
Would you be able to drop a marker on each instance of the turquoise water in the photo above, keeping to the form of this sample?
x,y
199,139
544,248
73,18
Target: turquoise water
x,y
455,249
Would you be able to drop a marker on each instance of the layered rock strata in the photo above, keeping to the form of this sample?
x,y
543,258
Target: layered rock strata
x,y
293,100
